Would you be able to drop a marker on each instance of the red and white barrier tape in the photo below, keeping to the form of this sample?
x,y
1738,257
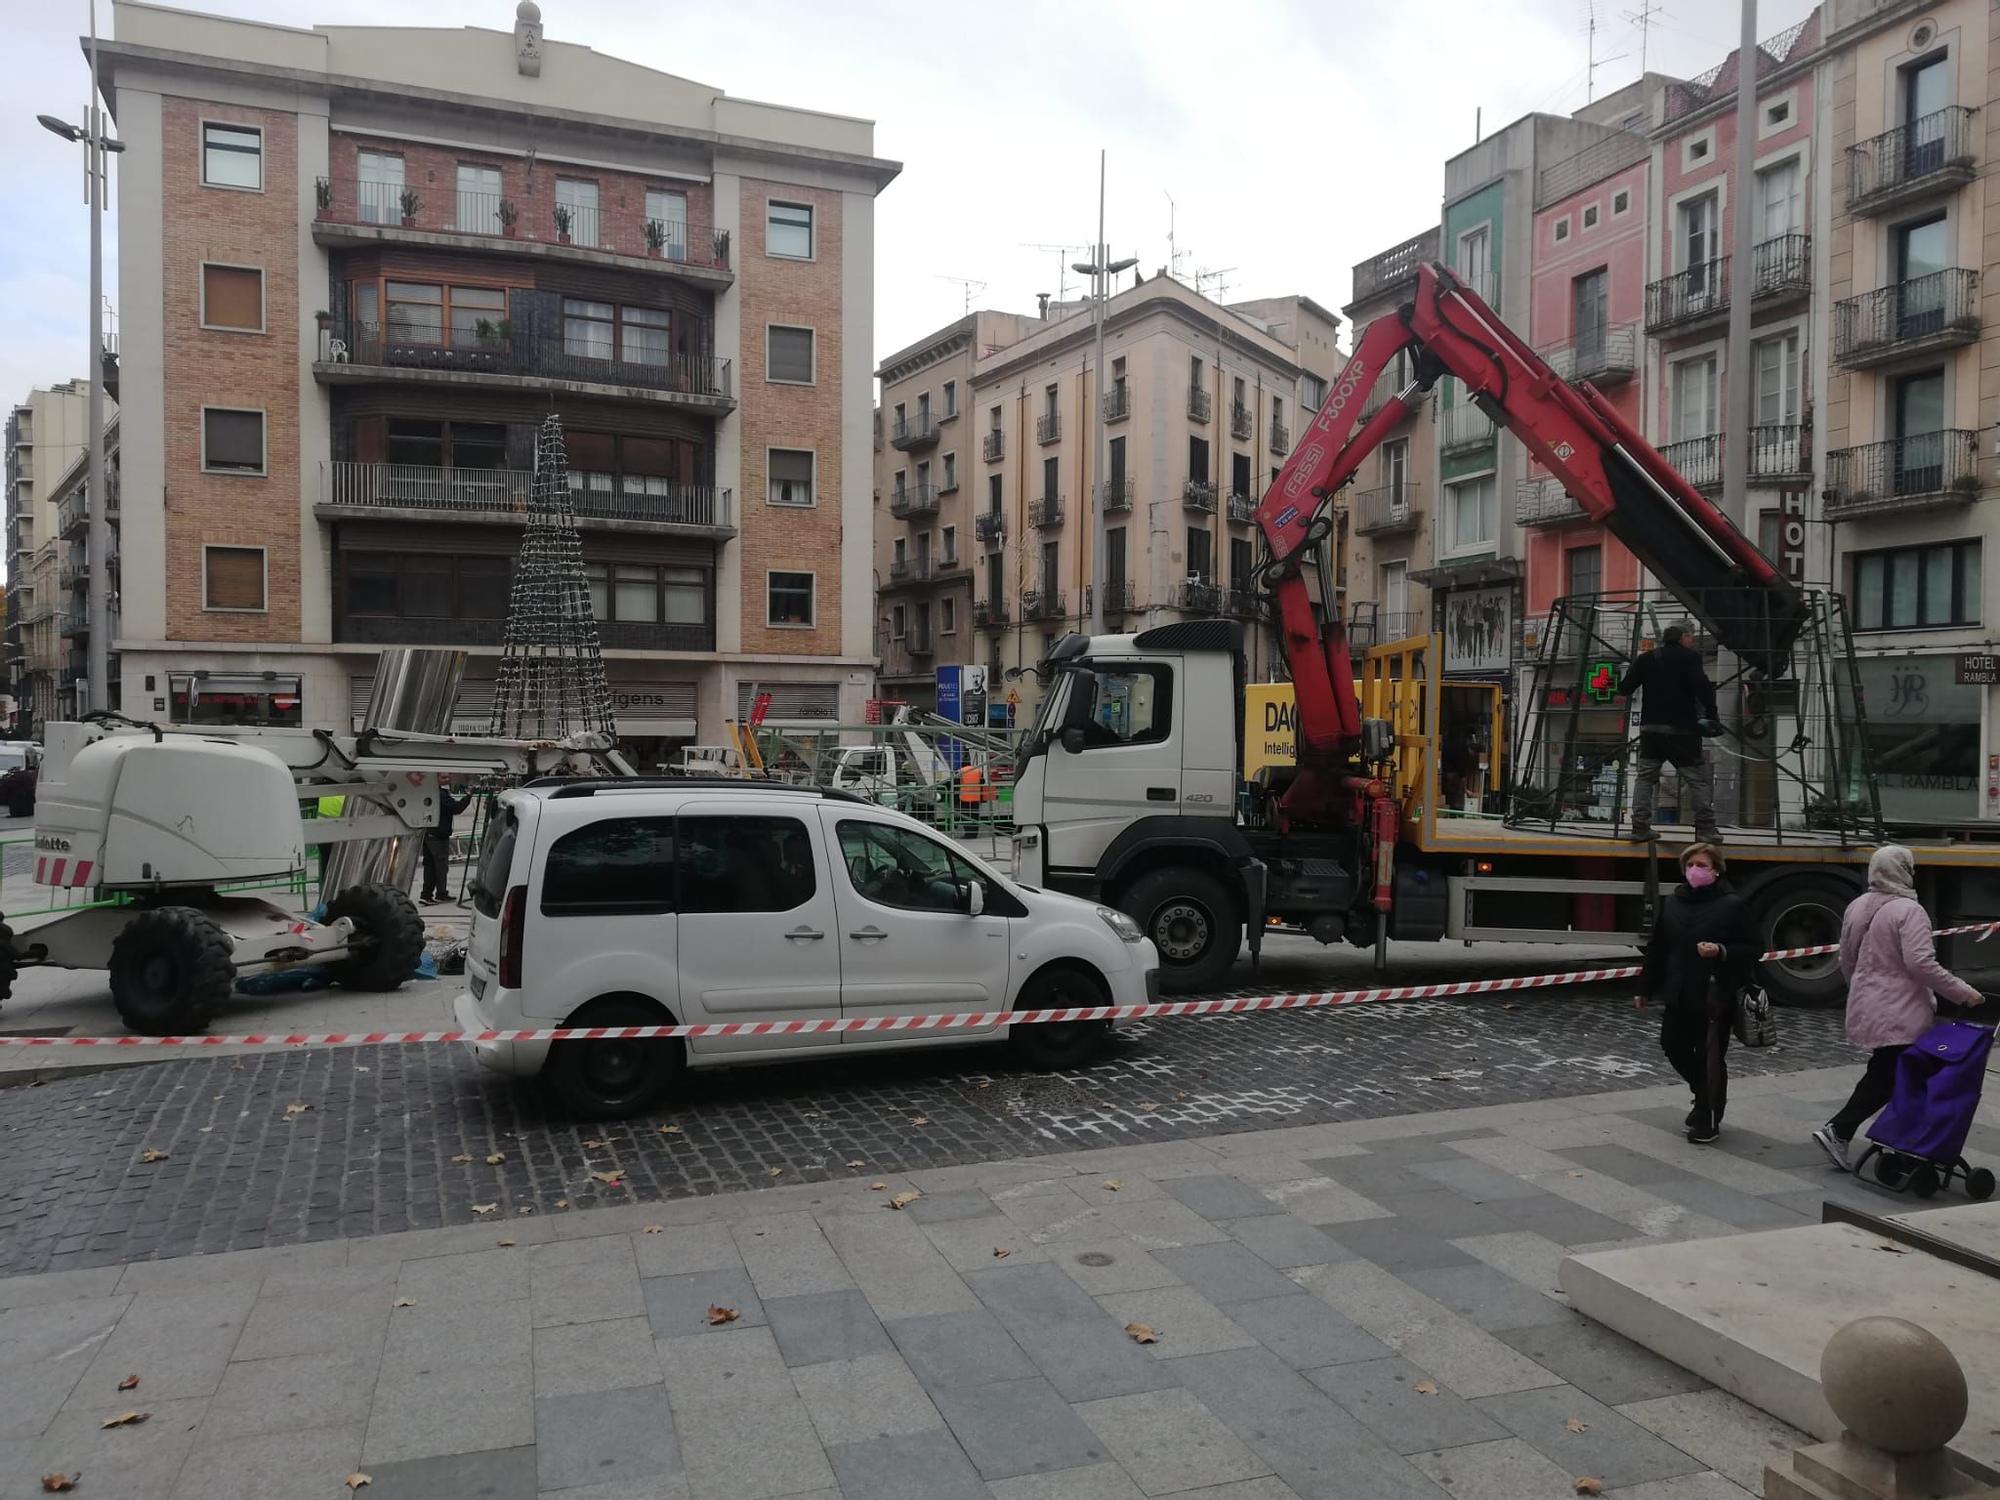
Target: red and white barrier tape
x,y
960,1022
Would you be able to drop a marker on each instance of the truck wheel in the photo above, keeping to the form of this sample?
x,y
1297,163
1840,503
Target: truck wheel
x,y
614,1079
171,966
1053,1046
1802,911
21,807
1193,920
388,937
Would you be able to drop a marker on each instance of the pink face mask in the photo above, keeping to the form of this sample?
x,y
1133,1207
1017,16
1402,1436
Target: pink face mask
x,y
1700,876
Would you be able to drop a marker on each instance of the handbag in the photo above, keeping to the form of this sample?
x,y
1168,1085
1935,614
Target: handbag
x,y
1756,1022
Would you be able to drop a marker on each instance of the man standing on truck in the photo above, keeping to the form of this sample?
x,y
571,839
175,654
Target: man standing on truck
x,y
1677,712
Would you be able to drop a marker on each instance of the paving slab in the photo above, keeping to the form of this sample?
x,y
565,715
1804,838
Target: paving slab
x,y
1598,1359
858,1400
574,1358
1219,1196
1305,1332
1018,1427
605,1436
919,1466
1168,1441
1488,1298
1505,1470
678,1306
291,1393
823,1326
788,1255
1729,1435
132,1463
1226,1273
45,1351
1083,1353
262,1466
1094,1482
724,1461
948,1350
1284,1240
498,1473
1403,1406
1583,1436
1183,1321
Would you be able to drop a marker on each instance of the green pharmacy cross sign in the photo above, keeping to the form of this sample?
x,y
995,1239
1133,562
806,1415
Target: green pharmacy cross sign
x,y
1603,682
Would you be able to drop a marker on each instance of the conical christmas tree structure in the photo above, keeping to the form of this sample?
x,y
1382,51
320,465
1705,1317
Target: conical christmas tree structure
x,y
551,683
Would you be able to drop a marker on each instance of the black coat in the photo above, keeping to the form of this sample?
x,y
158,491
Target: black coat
x,y
1677,691
1674,973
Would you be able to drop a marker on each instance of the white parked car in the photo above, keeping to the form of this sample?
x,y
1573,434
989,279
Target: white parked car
x,y
606,903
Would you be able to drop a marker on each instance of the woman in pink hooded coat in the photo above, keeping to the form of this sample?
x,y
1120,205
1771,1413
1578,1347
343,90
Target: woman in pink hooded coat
x,y
1893,981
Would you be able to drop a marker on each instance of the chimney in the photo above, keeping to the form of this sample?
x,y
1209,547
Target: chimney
x,y
1042,305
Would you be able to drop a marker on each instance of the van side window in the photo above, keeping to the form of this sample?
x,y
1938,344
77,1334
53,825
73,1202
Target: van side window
x,y
619,867
900,867
745,864
1129,707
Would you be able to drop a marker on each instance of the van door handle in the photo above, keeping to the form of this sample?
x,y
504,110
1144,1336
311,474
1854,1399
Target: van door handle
x,y
868,934
805,934
1161,794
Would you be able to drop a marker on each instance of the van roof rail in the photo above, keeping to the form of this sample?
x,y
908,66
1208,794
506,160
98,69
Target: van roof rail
x,y
590,786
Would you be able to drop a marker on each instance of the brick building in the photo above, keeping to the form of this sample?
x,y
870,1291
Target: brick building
x,y
358,265
46,435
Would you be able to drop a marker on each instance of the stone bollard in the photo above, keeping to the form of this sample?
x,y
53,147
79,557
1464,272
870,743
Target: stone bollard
x,y
1900,1394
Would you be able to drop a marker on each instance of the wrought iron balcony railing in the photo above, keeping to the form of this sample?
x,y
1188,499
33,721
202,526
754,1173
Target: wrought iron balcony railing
x,y
1047,511
423,489
913,500
1927,155
993,446
1903,473
918,431
1200,404
1926,312
1117,496
1198,495
990,525
1384,511
502,350
1048,428
1240,421
1117,403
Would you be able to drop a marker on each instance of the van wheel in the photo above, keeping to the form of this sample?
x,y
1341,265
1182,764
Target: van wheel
x,y
615,1078
1193,920
1053,1046
1802,911
388,939
170,968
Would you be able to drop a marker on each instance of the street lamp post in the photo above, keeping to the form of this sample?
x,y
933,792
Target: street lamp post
x,y
1100,268
97,544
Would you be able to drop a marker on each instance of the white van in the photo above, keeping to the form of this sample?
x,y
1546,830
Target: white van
x,y
635,903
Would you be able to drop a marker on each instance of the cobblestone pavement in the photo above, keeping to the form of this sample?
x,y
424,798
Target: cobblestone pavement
x,y
399,1138
1357,1311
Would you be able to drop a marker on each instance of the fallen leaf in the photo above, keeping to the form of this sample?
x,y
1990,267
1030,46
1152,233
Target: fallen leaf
x,y
1894,1249
777,1171
56,1484
355,1481
984,1083
483,1209
1149,1106
406,1302
461,1158
670,1130
1587,1485
1509,1005
1426,1388
125,1419
920,1119
718,1315
876,1187
857,1165
1142,1333
505,1244
609,1179
297,1109
562,1203
1113,1184
525,1208
905,1198
496,1158
129,1383
1575,1174
595,1145
999,1254
151,1155
654,1229
1577,1426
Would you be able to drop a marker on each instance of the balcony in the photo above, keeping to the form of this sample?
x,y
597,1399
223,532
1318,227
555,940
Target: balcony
x,y
418,492
1118,497
1388,511
351,213
989,614
1783,267
1689,299
1242,508
993,447
1048,428
73,514
1198,495
1910,473
1281,440
73,624
1120,598
1241,424
920,431
913,501
501,357
1391,381
408,630
1242,604
1604,356
1698,460
911,570
1394,268
1117,403
1929,155
1197,598
1542,501
919,643
1201,406
1369,630
1464,427
990,526
1047,511
1044,604
1938,311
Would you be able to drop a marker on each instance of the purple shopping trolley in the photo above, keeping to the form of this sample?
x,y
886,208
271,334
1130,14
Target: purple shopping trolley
x,y
1919,1139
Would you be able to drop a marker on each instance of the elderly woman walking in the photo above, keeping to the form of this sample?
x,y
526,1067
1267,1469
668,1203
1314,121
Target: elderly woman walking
x,y
1893,981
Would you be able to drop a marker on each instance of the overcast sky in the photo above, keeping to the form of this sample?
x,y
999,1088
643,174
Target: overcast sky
x,y
1295,137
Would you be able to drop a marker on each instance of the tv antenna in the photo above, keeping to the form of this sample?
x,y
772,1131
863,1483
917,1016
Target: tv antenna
x,y
1173,243
1592,62
1642,18
1203,275
1062,255
967,285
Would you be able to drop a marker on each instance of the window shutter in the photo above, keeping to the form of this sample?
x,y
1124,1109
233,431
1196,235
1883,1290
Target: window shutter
x,y
235,439
232,297
235,577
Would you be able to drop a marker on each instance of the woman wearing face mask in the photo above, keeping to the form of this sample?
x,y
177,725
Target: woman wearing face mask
x,y
1701,955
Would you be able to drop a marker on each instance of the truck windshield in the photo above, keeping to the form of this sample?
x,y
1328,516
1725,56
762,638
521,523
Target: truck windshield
x,y
496,863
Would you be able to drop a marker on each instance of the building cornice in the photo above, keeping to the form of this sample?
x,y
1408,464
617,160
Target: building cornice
x,y
1080,331
953,338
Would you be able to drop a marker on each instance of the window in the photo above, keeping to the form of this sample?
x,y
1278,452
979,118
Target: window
x,y
1312,392
791,476
1589,303
1114,558
739,864
1200,555
788,355
1697,244
1590,216
899,550
667,216
1621,202
1926,88
1562,229
948,616
416,312
232,297
1907,588
643,335
478,208
1194,372
232,578
645,594
232,156
232,442
1117,465
790,599
1469,514
1780,203
1239,474
579,196
1396,597
1699,148
788,231
993,494
476,315
950,481
1585,569
924,411
1051,476
1777,114
1694,399
1198,469
1050,409
396,585
950,537
265,700
1240,562
1132,706
993,421
1917,408
1475,260
1922,251
447,445
1396,471
902,868
951,398
898,622
996,579
378,187
1774,364
1051,573
619,867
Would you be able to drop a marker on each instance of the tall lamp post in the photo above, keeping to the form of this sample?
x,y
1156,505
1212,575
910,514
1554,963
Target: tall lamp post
x,y
1100,268
97,547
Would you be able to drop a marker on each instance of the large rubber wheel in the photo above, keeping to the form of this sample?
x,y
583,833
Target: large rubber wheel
x,y
1802,911
614,1079
1979,1184
388,937
1925,1181
21,807
1193,920
171,966
1053,1046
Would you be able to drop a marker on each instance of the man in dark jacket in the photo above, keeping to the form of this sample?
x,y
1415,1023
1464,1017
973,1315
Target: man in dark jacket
x,y
1676,711
1700,957
437,845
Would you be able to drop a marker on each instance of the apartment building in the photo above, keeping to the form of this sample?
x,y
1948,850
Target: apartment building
x,y
69,565
1201,404
47,433
359,264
